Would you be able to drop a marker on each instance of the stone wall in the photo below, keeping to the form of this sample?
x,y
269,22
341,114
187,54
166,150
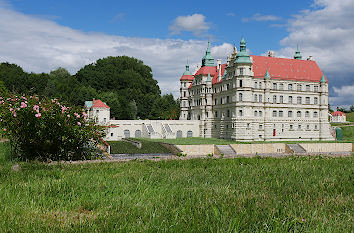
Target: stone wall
x,y
194,150
327,147
264,148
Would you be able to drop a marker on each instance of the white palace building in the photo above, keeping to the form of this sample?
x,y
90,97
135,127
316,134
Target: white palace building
x,y
257,98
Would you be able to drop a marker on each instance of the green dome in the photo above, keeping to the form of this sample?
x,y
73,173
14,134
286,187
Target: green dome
x,y
242,56
297,54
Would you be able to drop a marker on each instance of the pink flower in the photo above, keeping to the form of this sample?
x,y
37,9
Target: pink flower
x,y
63,109
38,115
36,108
11,109
79,123
84,114
15,114
5,129
68,115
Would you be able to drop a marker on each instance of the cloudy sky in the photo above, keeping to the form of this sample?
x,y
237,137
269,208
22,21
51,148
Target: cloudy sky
x,y
41,35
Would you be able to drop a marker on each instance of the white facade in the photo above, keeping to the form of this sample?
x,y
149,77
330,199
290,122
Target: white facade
x,y
118,129
338,117
237,104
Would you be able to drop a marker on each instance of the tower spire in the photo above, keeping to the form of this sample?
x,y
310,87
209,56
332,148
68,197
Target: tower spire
x,y
208,60
297,53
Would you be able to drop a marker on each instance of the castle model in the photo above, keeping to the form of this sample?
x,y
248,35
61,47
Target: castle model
x,y
253,98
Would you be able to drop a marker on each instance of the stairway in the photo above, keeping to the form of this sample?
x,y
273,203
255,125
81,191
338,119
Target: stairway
x,y
296,149
226,150
167,128
150,128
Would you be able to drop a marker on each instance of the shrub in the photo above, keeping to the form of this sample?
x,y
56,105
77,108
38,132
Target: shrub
x,y
45,129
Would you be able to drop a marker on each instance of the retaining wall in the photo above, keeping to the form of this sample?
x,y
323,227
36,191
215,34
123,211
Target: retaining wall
x,y
327,147
265,148
192,150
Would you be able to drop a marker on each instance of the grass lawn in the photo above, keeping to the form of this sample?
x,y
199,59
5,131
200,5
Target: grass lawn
x,y
296,194
348,133
121,147
350,116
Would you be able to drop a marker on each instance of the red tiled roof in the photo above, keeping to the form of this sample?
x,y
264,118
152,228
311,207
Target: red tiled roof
x,y
286,69
99,104
278,68
187,77
338,113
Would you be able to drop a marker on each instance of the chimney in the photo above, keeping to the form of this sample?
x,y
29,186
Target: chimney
x,y
218,62
271,53
310,58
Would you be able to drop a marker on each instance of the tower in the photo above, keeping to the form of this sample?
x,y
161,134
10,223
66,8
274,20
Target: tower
x,y
208,60
186,81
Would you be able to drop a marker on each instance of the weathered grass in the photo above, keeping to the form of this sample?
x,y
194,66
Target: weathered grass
x,y
296,194
148,147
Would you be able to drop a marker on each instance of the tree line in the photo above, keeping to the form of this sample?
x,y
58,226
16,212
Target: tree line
x,y
126,84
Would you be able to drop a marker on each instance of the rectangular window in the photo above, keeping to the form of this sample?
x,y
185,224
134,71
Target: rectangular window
x,y
274,99
228,113
215,101
307,87
216,113
240,83
111,134
260,98
255,98
290,114
290,99
240,113
184,94
227,99
274,113
291,127
260,113
260,85
299,127
307,100
315,114
299,87
260,126
281,86
255,113
241,71
280,113
298,114
274,86
255,84
315,88
308,127
281,99
290,87
299,100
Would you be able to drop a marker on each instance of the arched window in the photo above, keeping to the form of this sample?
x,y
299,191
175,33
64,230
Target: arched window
x,y
255,98
315,100
179,134
298,114
189,134
315,114
126,133
290,114
274,86
137,133
255,113
307,114
260,113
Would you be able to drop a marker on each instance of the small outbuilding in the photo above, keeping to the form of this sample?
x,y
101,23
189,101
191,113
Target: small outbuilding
x,y
338,117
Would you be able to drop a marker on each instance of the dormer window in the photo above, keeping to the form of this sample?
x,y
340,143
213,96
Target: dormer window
x,y
241,71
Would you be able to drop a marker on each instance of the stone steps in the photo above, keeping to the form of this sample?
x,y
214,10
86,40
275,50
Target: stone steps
x,y
296,149
226,150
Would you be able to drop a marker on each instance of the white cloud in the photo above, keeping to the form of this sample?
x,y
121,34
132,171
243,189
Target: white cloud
x,y
326,32
259,17
41,45
192,23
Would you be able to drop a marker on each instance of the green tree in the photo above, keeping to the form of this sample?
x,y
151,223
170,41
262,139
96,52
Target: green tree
x,y
126,76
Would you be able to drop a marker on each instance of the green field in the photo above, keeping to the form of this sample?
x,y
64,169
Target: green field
x,y
148,147
348,133
296,194
350,116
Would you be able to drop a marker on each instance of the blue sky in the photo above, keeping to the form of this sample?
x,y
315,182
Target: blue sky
x,y
41,35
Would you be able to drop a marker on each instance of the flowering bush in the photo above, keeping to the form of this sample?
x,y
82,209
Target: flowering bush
x,y
47,130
